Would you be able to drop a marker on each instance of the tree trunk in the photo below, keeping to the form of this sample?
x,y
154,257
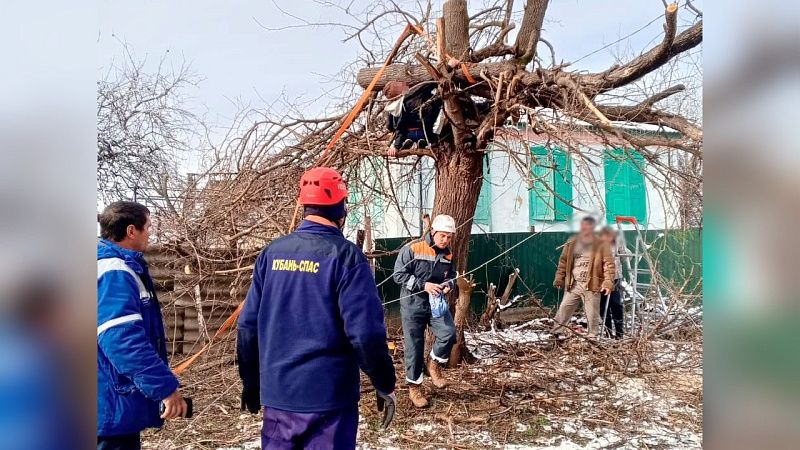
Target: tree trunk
x,y
457,25
459,176
460,351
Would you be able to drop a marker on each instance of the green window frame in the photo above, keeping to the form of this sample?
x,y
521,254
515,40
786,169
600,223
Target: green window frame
x,y
483,211
626,191
354,213
550,198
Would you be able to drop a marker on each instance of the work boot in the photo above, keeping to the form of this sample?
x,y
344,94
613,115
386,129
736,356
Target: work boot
x,y
435,371
416,396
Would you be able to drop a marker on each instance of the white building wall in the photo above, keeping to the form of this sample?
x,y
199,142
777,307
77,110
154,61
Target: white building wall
x,y
662,204
403,217
509,197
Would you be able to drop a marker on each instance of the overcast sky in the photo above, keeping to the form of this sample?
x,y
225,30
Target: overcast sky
x,y
227,44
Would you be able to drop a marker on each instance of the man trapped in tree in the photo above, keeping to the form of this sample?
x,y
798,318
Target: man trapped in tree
x,y
585,269
415,115
425,273
132,372
311,318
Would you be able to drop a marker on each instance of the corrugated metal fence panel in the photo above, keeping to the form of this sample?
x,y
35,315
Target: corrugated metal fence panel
x,y
176,294
677,253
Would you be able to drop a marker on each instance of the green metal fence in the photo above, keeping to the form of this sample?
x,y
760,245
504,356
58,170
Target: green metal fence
x,y
677,255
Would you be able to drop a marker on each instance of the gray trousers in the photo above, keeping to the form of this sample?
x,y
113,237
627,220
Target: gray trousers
x,y
572,298
415,313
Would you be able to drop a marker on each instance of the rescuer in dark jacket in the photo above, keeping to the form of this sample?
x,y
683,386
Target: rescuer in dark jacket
x,y
311,319
424,270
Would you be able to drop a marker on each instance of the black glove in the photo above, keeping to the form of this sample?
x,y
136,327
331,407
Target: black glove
x,y
251,400
386,401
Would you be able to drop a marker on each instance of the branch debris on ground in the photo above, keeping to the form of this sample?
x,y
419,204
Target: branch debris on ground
x,y
526,391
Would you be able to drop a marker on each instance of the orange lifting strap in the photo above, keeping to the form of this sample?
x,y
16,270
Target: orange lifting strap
x,y
408,31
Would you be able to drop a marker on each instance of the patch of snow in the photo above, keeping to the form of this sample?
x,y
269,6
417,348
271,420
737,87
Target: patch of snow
x,y
254,445
481,344
422,427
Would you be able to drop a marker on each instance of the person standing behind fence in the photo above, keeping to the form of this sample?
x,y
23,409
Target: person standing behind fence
x,y
424,270
585,270
132,372
311,318
611,305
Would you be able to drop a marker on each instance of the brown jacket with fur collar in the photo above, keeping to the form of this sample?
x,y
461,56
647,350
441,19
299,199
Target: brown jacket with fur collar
x,y
601,270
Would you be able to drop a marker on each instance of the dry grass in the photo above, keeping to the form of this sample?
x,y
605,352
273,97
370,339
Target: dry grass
x,y
534,394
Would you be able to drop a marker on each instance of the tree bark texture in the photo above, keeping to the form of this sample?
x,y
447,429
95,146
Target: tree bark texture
x,y
456,20
460,351
530,30
459,176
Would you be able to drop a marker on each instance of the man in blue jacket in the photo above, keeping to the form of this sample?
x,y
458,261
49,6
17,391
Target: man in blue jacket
x,y
132,372
311,319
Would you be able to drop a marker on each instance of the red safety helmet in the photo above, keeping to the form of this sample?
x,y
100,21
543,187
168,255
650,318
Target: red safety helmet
x,y
322,186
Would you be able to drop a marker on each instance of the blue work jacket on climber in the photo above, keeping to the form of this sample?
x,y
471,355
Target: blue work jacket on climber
x,y
132,371
311,318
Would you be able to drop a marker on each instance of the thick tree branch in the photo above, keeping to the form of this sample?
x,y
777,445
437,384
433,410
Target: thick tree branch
x,y
641,114
530,30
655,98
452,108
413,74
493,50
456,22
649,61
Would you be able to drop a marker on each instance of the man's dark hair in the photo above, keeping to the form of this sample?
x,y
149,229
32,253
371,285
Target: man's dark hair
x,y
114,220
589,219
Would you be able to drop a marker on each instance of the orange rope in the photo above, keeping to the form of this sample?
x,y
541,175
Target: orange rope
x,y
409,30
467,75
225,326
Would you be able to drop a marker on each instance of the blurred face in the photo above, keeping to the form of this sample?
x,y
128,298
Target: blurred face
x,y
587,228
138,239
442,239
607,237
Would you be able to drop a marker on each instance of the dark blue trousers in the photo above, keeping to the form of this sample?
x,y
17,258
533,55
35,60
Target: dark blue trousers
x,y
122,442
324,430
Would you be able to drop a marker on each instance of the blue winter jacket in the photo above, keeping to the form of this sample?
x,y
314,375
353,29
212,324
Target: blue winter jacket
x,y
132,372
311,318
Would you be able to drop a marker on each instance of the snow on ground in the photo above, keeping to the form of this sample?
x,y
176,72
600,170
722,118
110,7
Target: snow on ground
x,y
482,344
521,395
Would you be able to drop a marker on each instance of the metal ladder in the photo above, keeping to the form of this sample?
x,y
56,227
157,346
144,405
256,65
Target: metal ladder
x,y
639,289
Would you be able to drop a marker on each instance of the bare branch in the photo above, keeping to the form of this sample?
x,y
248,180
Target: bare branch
x,y
647,62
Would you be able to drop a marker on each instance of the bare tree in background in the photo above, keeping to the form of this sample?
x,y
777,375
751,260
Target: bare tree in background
x,y
485,80
143,128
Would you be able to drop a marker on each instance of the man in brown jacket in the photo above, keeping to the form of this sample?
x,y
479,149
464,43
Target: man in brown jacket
x,y
585,269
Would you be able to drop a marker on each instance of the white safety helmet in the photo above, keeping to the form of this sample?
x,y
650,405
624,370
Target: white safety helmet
x,y
444,223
